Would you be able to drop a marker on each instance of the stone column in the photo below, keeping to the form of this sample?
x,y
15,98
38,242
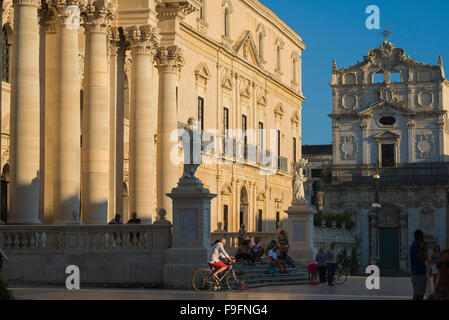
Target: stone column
x,y
95,122
67,122
25,115
50,118
169,63
117,51
143,41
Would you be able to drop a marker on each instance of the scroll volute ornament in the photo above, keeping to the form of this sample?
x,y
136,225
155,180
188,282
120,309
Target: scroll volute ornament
x,y
143,39
170,58
98,14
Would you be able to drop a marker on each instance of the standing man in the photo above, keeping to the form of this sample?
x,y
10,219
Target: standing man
x,y
418,256
331,263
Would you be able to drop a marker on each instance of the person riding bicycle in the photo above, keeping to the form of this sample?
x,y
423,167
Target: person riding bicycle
x,y
216,253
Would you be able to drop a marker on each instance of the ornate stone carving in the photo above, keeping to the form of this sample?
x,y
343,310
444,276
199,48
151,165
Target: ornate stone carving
x,y
349,148
388,94
169,59
143,39
98,15
349,101
425,98
426,218
425,146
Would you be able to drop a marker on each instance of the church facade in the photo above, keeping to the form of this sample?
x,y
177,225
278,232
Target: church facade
x,y
94,91
390,156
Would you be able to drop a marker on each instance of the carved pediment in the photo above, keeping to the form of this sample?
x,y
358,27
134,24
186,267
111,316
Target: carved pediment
x,y
246,49
386,105
202,71
226,81
387,135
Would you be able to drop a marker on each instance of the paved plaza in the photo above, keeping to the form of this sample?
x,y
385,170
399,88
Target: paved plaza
x,y
353,289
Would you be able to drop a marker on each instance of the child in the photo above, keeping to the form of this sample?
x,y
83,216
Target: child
x,y
313,270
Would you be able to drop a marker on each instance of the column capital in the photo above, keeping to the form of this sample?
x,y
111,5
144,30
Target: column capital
x,y
169,59
143,39
47,20
98,15
64,11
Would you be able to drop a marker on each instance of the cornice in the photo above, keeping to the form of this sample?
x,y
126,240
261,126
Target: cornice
x,y
225,51
276,21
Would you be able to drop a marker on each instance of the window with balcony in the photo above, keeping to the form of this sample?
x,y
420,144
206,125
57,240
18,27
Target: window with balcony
x,y
245,137
6,51
201,113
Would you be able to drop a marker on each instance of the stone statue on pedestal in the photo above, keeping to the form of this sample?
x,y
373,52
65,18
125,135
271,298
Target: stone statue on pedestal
x,y
298,180
192,146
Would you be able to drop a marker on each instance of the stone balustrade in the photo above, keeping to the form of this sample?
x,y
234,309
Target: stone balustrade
x,y
87,239
323,236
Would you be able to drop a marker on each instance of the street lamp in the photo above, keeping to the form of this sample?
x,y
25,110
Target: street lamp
x,y
374,233
376,203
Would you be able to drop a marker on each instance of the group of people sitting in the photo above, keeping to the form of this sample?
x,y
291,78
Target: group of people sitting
x,y
277,252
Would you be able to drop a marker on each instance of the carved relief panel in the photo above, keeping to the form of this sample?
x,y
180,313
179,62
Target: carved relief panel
x,y
349,148
425,146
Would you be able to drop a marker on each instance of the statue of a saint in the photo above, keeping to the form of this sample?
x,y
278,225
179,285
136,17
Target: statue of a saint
x,y
192,146
298,180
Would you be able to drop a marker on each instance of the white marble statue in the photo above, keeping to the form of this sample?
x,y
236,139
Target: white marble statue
x,y
298,180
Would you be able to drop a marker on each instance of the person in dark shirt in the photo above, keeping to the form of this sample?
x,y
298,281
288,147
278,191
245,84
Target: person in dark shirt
x,y
134,220
418,265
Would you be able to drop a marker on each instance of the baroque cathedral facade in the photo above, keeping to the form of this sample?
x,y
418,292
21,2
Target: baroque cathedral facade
x,y
92,91
390,154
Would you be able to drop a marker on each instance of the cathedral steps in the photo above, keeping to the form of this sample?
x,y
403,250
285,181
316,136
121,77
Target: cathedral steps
x,y
258,276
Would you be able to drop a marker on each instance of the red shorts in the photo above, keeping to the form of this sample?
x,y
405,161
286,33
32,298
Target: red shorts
x,y
219,264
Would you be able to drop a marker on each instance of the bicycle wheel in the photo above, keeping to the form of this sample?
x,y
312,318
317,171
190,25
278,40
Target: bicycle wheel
x,y
202,280
340,276
237,281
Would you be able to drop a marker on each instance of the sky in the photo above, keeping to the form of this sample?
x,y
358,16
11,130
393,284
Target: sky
x,y
336,30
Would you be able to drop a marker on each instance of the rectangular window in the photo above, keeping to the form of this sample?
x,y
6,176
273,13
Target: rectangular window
x,y
259,222
278,139
260,141
225,121
395,77
378,78
202,9
277,220
388,155
201,113
225,218
245,137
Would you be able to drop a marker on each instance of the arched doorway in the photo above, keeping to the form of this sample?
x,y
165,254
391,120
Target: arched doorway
x,y
388,238
244,203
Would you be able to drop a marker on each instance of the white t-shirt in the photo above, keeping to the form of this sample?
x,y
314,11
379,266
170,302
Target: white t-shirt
x,y
216,253
273,254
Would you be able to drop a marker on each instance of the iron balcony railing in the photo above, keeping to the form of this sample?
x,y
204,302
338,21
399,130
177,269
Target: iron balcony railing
x,y
403,174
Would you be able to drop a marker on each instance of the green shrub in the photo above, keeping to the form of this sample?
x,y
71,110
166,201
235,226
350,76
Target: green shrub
x,y
330,218
349,262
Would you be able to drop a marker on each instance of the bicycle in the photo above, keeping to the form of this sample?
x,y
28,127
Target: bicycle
x,y
236,279
340,274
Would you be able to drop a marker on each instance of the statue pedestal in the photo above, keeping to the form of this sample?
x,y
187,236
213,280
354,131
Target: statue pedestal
x,y
300,228
191,233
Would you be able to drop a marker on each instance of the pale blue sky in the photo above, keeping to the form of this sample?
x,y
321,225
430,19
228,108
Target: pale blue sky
x,y
336,30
